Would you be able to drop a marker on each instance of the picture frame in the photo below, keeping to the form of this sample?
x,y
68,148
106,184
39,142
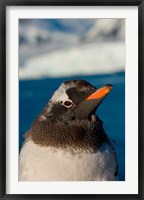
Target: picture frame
x,y
4,91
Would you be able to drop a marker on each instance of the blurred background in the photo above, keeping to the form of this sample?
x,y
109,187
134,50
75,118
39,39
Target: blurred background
x,y
54,50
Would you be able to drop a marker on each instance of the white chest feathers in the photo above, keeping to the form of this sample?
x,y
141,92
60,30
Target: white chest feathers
x,y
49,164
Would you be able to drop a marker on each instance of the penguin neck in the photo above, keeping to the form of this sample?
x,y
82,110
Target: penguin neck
x,y
77,134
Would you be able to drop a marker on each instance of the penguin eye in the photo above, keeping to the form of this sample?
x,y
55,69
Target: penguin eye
x,y
67,104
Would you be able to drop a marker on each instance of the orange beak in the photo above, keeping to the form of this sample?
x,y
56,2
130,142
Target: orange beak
x,y
88,107
100,92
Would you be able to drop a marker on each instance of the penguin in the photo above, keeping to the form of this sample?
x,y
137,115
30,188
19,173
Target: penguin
x,y
67,141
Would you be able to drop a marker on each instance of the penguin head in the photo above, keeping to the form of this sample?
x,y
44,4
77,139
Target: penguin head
x,y
69,121
74,99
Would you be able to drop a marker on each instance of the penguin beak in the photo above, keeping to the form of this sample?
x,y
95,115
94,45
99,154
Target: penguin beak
x,y
100,93
88,107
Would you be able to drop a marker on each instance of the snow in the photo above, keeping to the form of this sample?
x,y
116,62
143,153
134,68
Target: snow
x,y
95,58
66,47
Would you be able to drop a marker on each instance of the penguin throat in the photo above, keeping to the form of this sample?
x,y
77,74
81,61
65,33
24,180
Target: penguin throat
x,y
76,134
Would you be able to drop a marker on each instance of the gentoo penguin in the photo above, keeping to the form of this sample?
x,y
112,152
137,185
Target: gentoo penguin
x,y
67,142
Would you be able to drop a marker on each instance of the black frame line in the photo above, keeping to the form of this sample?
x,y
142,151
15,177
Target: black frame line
x,y
3,5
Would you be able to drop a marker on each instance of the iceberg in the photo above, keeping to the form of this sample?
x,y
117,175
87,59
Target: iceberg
x,y
83,59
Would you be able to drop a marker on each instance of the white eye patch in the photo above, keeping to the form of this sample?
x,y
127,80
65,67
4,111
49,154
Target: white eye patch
x,y
65,101
64,97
